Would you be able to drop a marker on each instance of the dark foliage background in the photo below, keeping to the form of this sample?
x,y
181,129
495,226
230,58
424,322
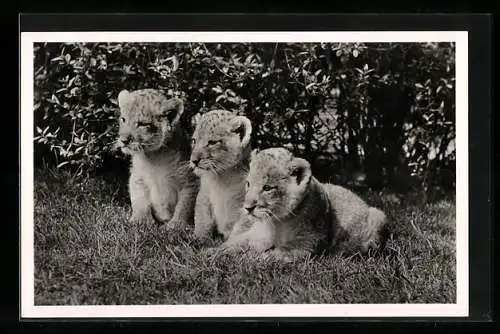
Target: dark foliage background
x,y
374,115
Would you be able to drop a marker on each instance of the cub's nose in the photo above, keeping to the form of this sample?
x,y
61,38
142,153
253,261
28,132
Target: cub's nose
x,y
250,208
195,161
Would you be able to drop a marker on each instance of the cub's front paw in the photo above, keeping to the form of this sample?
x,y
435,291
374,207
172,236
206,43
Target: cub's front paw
x,y
176,223
202,233
261,246
160,218
138,218
278,255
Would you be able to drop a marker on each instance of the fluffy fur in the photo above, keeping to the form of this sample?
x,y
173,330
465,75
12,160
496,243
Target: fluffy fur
x,y
161,184
289,212
220,157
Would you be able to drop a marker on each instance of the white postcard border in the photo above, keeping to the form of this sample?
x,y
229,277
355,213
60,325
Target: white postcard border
x,y
459,309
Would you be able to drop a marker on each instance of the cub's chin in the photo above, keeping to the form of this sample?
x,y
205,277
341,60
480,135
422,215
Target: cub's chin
x,y
134,148
198,171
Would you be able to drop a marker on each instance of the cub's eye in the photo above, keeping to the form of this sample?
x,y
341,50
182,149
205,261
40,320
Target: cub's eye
x,y
143,124
214,142
193,142
247,184
268,188
122,119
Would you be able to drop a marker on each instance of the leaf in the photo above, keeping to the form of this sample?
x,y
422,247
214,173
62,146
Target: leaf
x,y
365,68
355,53
70,83
39,130
432,153
62,163
439,89
419,85
450,148
175,63
310,85
338,53
67,57
248,58
55,99
234,100
220,97
335,92
217,89
93,62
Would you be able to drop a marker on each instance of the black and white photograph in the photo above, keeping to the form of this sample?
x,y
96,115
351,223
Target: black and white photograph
x,y
244,174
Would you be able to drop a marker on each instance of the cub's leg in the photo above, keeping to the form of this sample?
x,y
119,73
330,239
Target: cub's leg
x,y
203,221
184,209
259,236
236,241
303,246
139,199
161,202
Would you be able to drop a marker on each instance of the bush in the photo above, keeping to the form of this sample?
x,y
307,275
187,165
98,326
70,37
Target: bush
x,y
382,112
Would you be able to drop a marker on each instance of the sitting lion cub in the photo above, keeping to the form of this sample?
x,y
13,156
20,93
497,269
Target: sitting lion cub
x,y
220,157
289,212
161,183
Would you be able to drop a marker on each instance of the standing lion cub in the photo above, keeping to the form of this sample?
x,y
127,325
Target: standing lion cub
x,y
220,157
161,184
292,213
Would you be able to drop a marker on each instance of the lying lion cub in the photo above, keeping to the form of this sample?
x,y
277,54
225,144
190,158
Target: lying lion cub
x,y
289,212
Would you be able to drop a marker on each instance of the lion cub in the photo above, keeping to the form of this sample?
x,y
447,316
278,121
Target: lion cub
x,y
161,184
220,157
292,212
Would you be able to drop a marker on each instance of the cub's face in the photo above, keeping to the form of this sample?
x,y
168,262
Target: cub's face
x,y
221,140
276,184
147,120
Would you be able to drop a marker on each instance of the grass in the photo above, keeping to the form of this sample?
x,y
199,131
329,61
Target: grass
x,y
86,252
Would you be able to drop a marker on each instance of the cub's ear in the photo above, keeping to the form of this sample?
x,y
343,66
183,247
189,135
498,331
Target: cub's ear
x,y
243,127
123,98
254,153
300,170
173,109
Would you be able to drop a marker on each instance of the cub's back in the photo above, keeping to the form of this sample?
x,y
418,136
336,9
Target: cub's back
x,y
349,207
